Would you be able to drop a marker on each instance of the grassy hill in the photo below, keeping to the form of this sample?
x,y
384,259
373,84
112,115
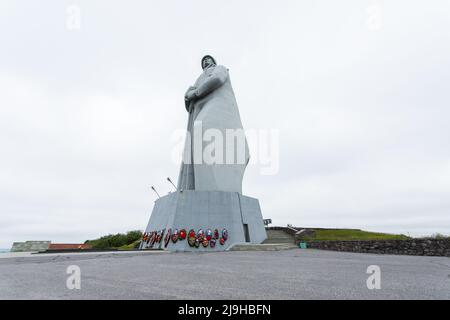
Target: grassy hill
x,y
119,241
354,234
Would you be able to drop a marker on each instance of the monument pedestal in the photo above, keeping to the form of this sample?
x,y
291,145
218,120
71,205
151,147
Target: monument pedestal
x,y
194,210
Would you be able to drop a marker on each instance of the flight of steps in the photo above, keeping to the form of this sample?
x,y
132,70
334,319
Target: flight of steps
x,y
276,240
262,247
278,236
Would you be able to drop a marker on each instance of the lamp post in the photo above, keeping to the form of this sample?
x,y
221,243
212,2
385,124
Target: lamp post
x,y
153,188
168,179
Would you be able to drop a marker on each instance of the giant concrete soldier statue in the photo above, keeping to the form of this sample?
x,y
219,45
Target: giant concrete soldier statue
x,y
213,116
208,208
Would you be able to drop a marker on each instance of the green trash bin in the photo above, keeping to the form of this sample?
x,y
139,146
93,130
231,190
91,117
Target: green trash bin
x,y
302,245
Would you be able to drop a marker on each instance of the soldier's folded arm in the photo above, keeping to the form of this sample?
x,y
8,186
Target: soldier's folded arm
x,y
217,78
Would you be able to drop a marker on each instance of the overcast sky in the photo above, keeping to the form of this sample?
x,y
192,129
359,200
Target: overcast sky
x,y
359,91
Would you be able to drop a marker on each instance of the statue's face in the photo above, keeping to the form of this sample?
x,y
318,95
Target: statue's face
x,y
207,62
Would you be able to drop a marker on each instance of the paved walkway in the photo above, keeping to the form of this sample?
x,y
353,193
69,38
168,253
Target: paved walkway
x,y
288,274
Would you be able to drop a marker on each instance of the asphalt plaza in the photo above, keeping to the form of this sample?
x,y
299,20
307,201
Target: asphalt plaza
x,y
286,274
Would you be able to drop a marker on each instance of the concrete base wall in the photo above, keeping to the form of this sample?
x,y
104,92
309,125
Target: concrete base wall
x,y
207,210
30,246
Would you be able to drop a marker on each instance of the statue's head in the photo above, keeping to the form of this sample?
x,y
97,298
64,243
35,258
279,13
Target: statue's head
x,y
208,61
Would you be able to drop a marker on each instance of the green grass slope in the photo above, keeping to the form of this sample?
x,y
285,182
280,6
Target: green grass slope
x,y
353,234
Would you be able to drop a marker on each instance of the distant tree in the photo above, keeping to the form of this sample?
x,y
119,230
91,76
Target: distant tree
x,y
133,236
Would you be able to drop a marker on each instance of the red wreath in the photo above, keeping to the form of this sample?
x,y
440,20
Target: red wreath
x,y
152,238
182,234
162,235
209,234
167,238
158,237
192,238
225,234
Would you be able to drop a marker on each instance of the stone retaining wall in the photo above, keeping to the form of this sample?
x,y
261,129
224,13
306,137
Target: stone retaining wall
x,y
417,247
